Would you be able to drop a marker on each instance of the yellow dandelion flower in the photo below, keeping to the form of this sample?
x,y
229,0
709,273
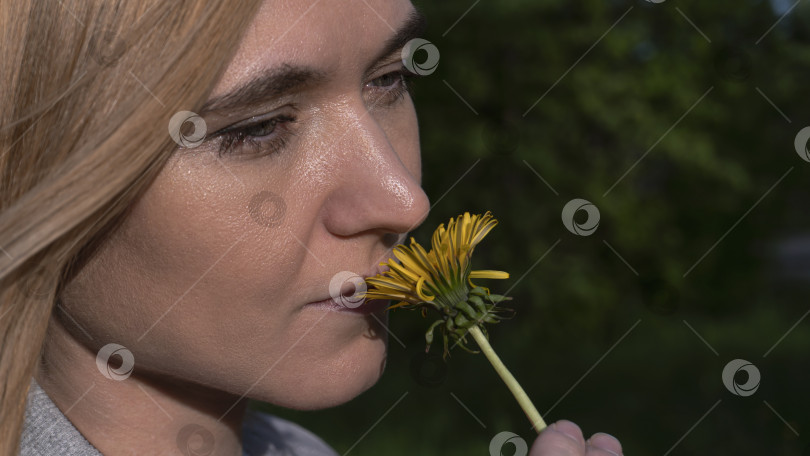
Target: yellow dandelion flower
x,y
441,280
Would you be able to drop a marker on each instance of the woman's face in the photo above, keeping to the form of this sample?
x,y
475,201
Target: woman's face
x,y
211,276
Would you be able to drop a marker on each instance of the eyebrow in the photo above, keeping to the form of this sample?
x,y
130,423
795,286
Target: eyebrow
x,y
413,27
288,79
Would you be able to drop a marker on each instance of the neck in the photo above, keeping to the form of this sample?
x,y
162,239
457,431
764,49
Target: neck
x,y
144,412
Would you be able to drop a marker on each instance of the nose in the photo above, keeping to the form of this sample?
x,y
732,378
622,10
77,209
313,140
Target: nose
x,y
377,181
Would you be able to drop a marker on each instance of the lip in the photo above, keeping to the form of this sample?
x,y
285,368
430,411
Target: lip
x,y
365,307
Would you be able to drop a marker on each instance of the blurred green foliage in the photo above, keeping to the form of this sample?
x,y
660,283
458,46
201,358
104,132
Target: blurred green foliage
x,y
684,142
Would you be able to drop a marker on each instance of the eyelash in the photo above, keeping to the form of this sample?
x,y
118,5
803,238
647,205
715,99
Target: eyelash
x,y
236,138
232,139
403,86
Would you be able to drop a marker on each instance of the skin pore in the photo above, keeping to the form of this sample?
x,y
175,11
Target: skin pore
x,y
311,167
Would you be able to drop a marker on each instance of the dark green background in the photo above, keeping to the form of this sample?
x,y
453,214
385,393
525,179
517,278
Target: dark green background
x,y
701,177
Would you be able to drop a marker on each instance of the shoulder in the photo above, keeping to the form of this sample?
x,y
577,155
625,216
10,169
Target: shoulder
x,y
264,434
47,431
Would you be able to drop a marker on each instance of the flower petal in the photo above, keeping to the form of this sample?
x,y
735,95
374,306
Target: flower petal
x,y
409,273
488,274
411,261
420,293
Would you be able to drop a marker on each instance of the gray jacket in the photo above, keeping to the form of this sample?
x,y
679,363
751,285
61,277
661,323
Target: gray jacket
x,y
47,431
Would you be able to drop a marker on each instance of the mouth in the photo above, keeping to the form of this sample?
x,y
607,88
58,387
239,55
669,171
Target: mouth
x,y
348,301
365,307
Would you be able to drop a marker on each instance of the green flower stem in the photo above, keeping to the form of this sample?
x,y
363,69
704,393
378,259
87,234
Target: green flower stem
x,y
513,385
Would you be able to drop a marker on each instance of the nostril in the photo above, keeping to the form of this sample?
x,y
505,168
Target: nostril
x,y
390,239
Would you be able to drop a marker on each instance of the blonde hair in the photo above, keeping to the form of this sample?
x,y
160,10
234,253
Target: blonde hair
x,y
87,90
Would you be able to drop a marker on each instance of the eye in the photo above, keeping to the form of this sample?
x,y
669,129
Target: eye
x,y
390,87
388,80
261,129
266,135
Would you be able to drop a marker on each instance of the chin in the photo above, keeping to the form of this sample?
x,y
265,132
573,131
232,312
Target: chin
x,y
332,382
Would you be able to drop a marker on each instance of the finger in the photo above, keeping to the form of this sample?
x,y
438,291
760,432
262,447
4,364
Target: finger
x,y
606,442
593,451
562,438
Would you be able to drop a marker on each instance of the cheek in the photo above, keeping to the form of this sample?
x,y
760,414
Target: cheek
x,y
203,234
204,282
187,277
216,246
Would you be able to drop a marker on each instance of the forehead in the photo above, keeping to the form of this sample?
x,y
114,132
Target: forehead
x,y
331,35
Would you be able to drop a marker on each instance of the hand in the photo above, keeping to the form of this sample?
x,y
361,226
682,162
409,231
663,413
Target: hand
x,y
564,438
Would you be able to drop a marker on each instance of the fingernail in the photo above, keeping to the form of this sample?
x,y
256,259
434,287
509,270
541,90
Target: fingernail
x,y
605,450
590,444
609,435
562,431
